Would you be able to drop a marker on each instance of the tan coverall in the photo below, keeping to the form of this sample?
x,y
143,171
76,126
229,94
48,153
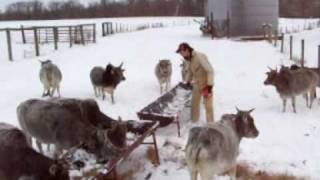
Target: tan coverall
x,y
202,74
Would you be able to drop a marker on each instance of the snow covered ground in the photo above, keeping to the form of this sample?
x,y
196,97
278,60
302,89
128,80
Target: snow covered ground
x,y
288,142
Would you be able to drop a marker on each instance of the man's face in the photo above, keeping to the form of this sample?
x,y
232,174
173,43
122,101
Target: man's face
x,y
185,53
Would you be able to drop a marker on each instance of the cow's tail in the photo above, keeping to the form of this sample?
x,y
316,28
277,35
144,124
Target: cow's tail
x,y
197,155
194,153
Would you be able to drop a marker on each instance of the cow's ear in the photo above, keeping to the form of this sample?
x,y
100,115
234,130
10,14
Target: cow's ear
x,y
53,169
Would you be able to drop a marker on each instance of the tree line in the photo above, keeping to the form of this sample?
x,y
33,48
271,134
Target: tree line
x,y
34,10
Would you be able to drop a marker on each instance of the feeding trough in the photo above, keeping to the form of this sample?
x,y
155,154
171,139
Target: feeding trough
x,y
168,107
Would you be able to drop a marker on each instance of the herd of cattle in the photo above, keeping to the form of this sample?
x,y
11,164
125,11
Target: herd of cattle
x,y
73,123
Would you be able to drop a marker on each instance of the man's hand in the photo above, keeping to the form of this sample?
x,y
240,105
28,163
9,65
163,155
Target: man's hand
x,y
186,85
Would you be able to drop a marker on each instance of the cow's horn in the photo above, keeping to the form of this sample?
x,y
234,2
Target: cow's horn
x,y
237,109
250,111
121,65
270,68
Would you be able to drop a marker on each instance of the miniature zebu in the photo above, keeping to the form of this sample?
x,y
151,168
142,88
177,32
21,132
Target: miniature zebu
x,y
70,123
213,149
106,80
291,83
163,73
18,161
50,76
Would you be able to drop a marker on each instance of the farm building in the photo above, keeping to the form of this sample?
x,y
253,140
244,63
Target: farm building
x,y
242,17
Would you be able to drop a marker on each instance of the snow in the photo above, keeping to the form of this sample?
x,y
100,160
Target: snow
x,y
287,143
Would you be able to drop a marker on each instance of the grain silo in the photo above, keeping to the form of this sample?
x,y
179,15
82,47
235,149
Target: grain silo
x,y
242,17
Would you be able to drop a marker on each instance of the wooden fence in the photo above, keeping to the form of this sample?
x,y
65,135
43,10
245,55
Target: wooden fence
x,y
78,34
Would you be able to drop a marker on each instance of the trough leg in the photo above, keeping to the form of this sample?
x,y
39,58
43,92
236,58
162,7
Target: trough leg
x,y
178,126
156,147
114,174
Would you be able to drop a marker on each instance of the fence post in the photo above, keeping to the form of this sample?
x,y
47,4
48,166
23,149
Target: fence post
x,y
103,30
9,44
111,28
302,53
94,33
55,37
319,56
81,34
291,39
36,41
23,35
211,24
70,36
276,38
282,43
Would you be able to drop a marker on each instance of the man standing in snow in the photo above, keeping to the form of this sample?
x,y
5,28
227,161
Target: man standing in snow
x,y
201,73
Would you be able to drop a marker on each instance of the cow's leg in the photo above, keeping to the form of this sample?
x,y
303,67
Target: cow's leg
x,y
52,91
307,99
232,173
57,152
39,145
284,104
194,175
46,91
312,96
160,88
48,147
58,90
29,139
293,99
103,93
95,91
205,173
112,98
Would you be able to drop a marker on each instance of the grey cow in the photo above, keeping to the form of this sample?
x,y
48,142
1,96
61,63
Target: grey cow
x,y
184,70
163,73
106,79
66,126
50,76
213,149
18,161
291,83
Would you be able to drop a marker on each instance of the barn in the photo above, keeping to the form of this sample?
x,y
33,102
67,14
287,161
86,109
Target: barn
x,y
242,17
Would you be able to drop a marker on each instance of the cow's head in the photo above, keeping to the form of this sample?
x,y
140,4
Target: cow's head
x,y
245,124
100,145
165,67
117,134
116,71
45,62
271,77
59,170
